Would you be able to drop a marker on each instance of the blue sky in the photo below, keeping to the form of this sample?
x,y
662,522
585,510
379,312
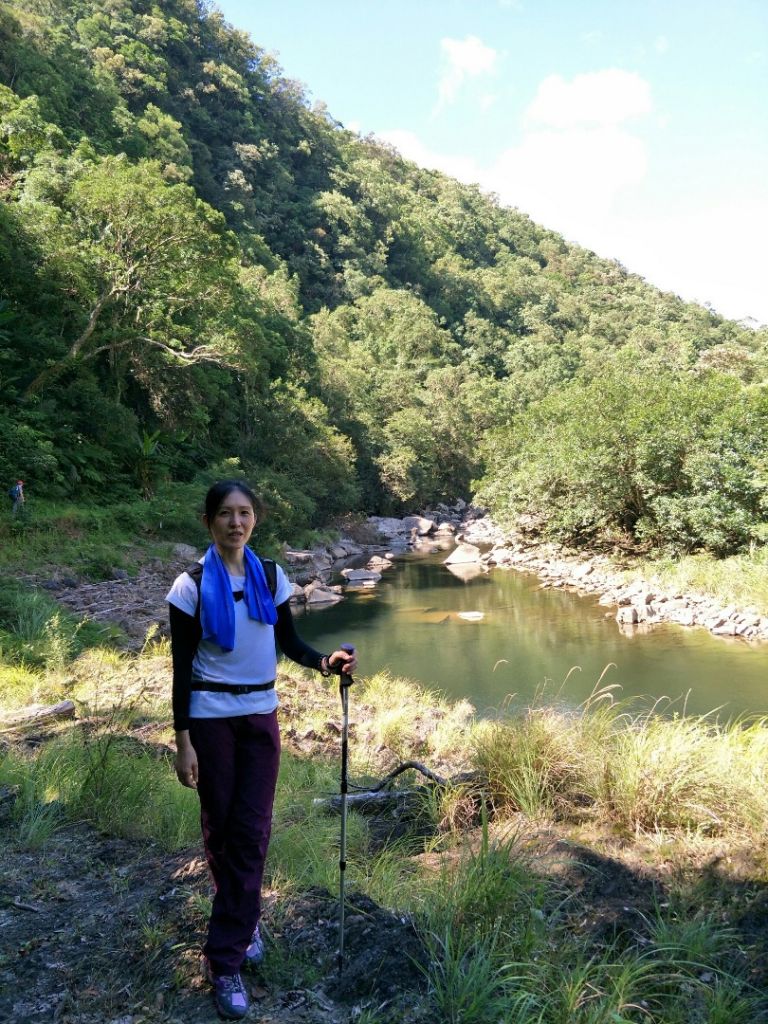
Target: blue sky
x,y
637,129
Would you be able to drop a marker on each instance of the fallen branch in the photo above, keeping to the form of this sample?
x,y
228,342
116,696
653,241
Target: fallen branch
x,y
377,799
32,715
417,766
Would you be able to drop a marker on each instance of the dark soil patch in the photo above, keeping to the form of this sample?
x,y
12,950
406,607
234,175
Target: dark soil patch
x,y
96,929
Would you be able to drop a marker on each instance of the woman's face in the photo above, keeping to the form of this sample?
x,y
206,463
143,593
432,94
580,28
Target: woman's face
x,y
232,525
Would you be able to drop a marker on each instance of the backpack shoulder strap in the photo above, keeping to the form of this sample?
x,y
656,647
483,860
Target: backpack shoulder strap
x,y
269,566
196,573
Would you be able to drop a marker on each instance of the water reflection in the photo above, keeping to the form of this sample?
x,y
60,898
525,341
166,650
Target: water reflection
x,y
529,638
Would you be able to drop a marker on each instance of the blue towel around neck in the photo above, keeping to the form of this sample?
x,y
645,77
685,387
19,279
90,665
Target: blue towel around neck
x,y
217,605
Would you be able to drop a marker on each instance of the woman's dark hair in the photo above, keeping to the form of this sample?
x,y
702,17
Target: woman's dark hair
x,y
223,489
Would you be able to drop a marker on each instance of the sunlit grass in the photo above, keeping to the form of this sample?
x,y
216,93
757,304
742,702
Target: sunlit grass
x,y
634,771
498,944
741,580
104,780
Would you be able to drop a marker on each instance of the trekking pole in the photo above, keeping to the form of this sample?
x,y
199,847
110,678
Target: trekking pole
x,y
345,681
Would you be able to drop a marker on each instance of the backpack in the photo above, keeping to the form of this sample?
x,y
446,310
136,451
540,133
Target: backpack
x,y
268,565
13,492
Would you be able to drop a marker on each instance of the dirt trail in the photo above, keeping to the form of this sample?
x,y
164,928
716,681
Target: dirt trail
x,y
97,930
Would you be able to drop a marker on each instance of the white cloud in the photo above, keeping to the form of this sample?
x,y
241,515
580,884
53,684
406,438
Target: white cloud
x,y
409,145
661,44
568,179
577,183
488,100
580,171
464,58
599,97
574,160
693,252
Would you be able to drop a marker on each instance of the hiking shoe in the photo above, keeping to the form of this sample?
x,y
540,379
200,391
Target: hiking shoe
x,y
255,952
229,994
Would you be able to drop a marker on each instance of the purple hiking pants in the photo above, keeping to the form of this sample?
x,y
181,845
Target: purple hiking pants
x,y
238,759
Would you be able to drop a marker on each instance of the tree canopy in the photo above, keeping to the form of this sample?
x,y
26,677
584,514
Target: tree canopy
x,y
197,265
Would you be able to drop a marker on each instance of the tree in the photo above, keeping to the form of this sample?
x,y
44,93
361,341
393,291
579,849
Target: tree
x,y
151,264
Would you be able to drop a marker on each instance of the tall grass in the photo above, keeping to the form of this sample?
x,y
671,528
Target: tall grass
x,y
106,781
499,935
635,771
741,579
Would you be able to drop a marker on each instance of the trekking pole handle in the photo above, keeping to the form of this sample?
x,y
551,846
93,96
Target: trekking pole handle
x,y
345,680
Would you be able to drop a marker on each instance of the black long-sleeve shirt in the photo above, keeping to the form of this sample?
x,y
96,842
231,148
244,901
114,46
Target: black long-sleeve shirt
x,y
186,635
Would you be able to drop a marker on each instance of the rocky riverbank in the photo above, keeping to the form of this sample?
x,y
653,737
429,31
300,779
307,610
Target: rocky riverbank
x,y
477,545
640,604
473,543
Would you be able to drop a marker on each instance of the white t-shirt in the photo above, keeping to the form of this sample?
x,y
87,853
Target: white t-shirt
x,y
252,661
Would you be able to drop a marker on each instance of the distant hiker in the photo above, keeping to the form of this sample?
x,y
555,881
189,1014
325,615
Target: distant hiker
x,y
16,494
225,615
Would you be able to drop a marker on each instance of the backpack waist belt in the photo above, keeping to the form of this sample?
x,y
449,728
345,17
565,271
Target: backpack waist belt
x,y
237,691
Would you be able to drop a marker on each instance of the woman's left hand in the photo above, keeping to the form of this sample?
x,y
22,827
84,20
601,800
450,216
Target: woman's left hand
x,y
343,661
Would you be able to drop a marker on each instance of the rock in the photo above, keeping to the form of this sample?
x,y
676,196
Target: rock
x,y
317,593
388,526
465,571
298,557
379,562
339,550
581,571
360,575
725,629
463,553
186,553
353,548
627,615
420,524
321,558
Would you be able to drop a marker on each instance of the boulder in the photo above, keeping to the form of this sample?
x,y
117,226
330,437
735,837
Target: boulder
x,y
463,553
420,524
388,526
186,552
298,557
318,593
465,571
361,575
379,562
627,615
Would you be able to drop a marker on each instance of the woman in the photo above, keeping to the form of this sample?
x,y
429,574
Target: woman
x,y
225,618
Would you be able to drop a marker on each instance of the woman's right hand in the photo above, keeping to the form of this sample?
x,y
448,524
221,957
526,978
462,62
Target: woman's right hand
x,y
186,760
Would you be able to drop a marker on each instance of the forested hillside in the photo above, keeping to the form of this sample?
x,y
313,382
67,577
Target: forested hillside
x,y
196,265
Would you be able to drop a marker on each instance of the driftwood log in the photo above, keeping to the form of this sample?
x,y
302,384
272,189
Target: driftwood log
x,y
35,714
379,799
